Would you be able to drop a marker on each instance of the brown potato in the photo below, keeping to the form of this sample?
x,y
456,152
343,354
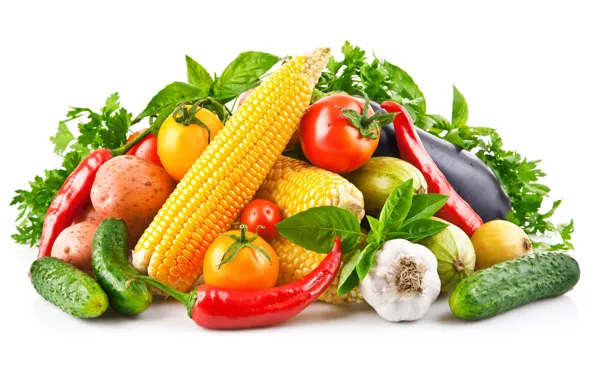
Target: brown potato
x,y
73,245
131,189
88,214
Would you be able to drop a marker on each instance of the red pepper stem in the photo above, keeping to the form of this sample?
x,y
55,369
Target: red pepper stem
x,y
128,146
187,299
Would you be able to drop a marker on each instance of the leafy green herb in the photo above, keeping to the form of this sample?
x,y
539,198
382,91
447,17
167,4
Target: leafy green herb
x,y
315,229
520,177
198,76
349,277
242,74
107,128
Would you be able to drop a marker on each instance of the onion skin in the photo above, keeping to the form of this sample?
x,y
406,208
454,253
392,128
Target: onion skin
x,y
499,241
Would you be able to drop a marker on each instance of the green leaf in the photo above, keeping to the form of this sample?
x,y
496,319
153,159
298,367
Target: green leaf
x,y
424,206
112,104
243,73
453,137
62,138
198,76
348,278
366,259
459,110
315,229
173,93
375,224
422,228
405,85
397,206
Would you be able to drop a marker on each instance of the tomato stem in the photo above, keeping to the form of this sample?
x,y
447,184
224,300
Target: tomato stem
x,y
187,116
369,126
240,242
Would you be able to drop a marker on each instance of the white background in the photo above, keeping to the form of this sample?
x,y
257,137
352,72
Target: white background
x,y
525,68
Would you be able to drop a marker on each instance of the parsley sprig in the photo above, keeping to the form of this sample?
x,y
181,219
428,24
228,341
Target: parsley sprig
x,y
81,131
520,177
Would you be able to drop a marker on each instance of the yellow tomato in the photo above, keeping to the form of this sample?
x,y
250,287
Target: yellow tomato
x,y
179,145
255,265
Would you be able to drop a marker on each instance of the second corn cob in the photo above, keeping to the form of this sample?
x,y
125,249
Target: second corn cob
x,y
227,175
295,186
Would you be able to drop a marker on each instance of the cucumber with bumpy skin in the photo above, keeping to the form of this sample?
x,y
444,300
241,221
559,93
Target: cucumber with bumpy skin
x,y
513,283
109,260
68,287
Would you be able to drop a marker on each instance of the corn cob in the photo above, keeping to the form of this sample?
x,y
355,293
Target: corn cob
x,y
295,186
227,175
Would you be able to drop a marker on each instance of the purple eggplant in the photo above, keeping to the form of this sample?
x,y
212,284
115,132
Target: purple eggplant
x,y
473,180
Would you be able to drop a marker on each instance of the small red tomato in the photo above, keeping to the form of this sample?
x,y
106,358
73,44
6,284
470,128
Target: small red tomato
x,y
330,140
261,212
146,148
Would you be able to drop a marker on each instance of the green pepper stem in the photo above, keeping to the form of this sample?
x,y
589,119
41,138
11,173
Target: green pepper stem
x,y
187,299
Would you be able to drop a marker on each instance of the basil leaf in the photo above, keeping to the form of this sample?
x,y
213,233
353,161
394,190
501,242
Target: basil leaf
x,y
459,110
198,76
397,206
243,73
374,223
316,228
348,278
424,206
422,228
366,259
173,93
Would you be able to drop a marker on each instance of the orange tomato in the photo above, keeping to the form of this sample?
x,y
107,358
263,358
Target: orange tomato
x,y
179,145
249,269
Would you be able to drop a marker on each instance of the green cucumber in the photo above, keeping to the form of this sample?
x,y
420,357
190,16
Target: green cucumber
x,y
109,260
513,283
68,287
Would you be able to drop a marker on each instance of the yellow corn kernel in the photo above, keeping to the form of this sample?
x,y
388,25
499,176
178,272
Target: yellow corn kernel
x,y
228,174
295,186
296,262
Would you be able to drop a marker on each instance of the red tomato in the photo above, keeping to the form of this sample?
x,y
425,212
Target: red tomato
x,y
329,140
261,212
146,148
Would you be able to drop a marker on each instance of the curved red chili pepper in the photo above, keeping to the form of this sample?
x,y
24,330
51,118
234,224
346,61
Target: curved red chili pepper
x,y
217,308
456,210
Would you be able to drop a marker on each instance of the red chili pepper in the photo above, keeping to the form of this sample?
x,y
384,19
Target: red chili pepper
x,y
217,308
75,193
456,210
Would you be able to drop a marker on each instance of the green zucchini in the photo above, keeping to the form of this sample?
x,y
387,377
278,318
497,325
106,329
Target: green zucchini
x,y
513,283
109,260
68,287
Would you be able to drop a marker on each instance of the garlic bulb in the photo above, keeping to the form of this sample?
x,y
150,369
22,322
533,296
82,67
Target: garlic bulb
x,y
403,281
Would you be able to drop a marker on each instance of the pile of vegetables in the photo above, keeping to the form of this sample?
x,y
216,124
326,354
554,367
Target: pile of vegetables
x,y
248,183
